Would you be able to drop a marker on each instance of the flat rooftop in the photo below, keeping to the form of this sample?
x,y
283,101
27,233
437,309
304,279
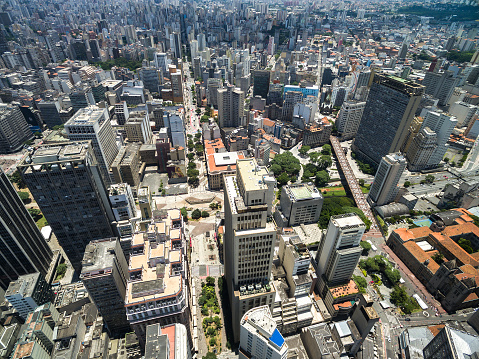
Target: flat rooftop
x,y
348,220
86,116
251,174
98,255
302,192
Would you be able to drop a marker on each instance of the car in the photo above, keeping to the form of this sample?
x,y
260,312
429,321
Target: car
x,y
408,319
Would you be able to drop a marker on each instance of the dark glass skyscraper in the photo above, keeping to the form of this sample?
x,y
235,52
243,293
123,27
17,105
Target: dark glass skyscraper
x,y
261,80
65,181
389,111
23,249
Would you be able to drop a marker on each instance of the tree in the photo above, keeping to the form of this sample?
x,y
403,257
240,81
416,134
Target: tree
x,y
61,269
303,150
193,181
288,163
322,178
209,355
466,245
438,258
191,156
314,156
184,213
198,111
212,340
16,178
210,281
446,159
192,172
326,150
366,246
196,214
407,184
398,296
276,169
283,179
325,161
393,275
35,213
430,179
204,214
361,182
204,119
24,196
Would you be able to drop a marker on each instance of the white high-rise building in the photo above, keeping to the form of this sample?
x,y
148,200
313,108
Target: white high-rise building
x,y
349,118
201,42
385,185
260,339
339,252
93,123
194,48
161,62
249,239
442,125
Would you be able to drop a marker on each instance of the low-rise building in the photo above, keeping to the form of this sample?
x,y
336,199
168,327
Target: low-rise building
x,y
219,162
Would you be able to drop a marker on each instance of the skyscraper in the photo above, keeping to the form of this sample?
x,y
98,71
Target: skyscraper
x,y
339,252
389,111
23,248
175,44
93,123
201,42
105,274
14,130
385,184
249,239
261,80
65,181
349,118
421,149
230,107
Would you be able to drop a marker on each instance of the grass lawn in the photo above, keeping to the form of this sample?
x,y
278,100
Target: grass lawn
x,y
334,191
42,222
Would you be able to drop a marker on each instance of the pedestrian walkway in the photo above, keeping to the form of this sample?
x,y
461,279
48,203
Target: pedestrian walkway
x,y
354,187
412,278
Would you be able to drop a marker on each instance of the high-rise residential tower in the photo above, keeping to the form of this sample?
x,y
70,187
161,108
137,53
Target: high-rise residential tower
x,y
23,248
339,252
93,123
14,130
421,149
249,239
105,274
389,111
66,183
349,118
385,185
230,107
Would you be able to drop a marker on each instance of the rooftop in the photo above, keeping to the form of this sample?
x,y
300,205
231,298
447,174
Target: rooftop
x,y
251,174
99,255
303,191
348,220
87,116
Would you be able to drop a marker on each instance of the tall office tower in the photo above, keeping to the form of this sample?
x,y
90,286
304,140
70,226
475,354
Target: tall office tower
x,y
122,202
177,85
161,62
260,339
421,149
81,98
176,128
440,85
24,250
249,239
213,85
151,78
403,51
197,67
95,50
413,130
65,181
121,112
78,50
349,118
443,125
300,204
452,343
230,107
138,127
175,45
201,42
261,80
385,185
291,98
126,166
28,292
194,48
105,274
157,289
14,130
389,111
50,112
93,123
339,252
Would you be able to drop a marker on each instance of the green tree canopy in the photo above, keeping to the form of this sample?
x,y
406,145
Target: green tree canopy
x,y
288,164
196,214
322,178
303,150
283,179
